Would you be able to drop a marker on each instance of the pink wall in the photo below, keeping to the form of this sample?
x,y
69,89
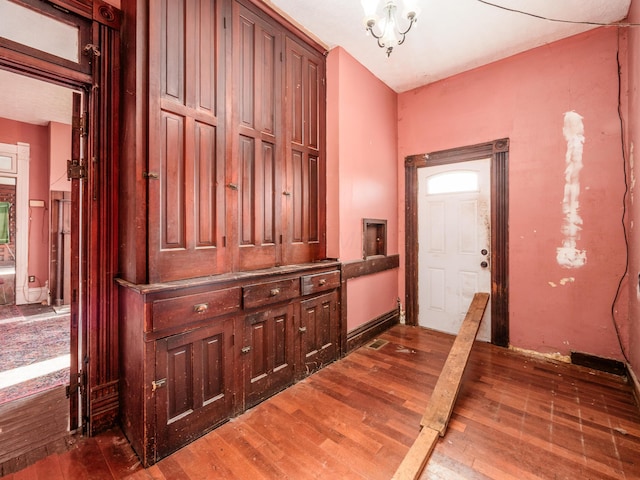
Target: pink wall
x,y
38,139
60,152
632,141
362,177
552,309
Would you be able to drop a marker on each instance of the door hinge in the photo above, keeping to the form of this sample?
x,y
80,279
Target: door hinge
x,y
156,384
80,124
76,169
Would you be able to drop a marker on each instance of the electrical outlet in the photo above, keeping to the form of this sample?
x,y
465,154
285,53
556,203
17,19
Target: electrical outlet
x,y
32,278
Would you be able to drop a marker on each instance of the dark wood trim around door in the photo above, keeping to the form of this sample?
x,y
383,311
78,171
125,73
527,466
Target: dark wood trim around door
x,y
498,151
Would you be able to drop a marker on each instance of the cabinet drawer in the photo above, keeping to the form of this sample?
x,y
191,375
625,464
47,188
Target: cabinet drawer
x,y
270,292
177,311
320,282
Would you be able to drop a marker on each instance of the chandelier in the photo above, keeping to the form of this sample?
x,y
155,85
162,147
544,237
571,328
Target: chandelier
x,y
385,27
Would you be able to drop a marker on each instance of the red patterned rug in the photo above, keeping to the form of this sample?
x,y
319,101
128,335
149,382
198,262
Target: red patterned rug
x,y
32,335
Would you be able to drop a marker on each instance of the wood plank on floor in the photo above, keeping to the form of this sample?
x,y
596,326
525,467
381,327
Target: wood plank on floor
x,y
418,455
438,412
443,398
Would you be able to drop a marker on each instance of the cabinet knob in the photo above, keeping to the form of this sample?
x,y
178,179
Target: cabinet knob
x,y
232,186
274,292
322,281
201,307
302,329
245,350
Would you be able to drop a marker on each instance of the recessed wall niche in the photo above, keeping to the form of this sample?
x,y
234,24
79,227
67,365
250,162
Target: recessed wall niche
x,y
374,237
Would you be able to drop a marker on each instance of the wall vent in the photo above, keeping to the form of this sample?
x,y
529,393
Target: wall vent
x,y
377,344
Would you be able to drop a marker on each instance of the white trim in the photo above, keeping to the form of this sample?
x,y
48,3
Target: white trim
x,y
22,150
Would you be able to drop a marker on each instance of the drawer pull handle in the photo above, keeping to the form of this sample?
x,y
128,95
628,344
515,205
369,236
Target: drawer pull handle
x,y
201,307
245,350
322,281
274,292
302,329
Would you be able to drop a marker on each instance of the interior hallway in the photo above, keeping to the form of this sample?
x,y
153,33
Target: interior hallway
x,y
515,417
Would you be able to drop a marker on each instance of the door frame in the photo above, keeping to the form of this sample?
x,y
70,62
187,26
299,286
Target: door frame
x,y
22,151
498,152
97,74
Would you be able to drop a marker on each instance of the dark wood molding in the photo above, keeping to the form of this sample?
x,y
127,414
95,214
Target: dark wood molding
x,y
368,331
102,189
359,268
498,151
106,14
411,246
454,155
500,248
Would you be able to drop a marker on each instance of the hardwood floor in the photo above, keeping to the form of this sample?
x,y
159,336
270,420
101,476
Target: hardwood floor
x,y
515,418
32,427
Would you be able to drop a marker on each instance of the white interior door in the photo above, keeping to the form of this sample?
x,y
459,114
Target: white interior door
x,y
454,233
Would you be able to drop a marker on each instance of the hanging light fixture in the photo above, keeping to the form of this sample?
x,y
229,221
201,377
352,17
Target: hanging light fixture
x,y
389,32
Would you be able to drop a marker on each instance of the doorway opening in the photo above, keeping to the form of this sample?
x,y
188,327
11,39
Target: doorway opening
x,y
36,120
497,253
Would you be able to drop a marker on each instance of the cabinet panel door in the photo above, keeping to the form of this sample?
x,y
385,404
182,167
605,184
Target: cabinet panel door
x,y
257,141
197,369
268,353
305,166
320,331
186,140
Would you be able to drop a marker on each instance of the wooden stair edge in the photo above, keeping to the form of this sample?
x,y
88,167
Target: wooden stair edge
x,y
438,412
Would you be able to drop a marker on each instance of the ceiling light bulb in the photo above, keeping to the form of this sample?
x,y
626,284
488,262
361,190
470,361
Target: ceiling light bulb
x,y
411,10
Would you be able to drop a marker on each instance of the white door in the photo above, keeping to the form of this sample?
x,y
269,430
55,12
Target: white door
x,y
454,232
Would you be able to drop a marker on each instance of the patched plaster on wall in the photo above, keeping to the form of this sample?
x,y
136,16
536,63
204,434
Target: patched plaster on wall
x,y
569,256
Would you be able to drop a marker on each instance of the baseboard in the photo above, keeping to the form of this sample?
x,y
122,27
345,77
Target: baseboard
x,y
607,365
634,383
368,331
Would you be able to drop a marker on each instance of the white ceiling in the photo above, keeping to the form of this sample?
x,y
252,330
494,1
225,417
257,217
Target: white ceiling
x,y
451,35
32,101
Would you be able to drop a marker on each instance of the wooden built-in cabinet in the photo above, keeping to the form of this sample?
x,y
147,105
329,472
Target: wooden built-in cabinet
x,y
225,295
234,174
197,352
